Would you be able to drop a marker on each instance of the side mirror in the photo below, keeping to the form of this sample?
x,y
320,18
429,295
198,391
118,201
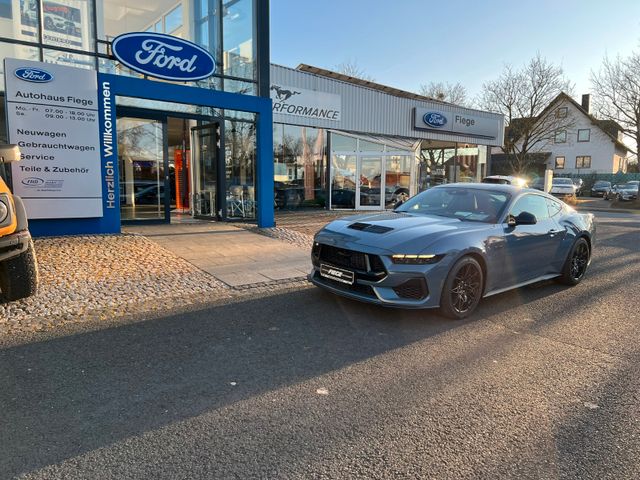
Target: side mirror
x,y
9,153
525,218
398,203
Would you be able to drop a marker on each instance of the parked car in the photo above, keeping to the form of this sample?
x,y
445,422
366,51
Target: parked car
x,y
626,192
579,184
562,187
452,245
611,193
18,263
600,188
505,180
538,184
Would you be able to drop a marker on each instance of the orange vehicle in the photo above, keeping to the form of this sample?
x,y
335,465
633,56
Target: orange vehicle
x,y
18,264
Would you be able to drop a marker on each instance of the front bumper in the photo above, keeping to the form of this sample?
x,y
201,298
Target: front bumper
x,y
14,244
390,285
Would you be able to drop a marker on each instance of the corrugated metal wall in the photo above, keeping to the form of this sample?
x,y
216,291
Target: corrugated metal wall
x,y
371,111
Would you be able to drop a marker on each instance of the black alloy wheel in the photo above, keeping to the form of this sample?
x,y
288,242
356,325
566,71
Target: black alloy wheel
x,y
577,262
462,289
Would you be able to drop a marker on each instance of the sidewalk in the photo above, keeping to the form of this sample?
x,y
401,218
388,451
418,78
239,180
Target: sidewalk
x,y
236,256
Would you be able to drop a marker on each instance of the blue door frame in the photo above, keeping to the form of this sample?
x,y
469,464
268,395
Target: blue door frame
x,y
109,87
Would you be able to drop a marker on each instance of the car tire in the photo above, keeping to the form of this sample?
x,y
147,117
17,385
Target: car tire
x,y
462,289
575,266
19,276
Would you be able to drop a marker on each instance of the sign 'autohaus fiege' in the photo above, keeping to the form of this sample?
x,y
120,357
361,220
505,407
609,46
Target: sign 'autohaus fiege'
x,y
163,56
306,103
467,123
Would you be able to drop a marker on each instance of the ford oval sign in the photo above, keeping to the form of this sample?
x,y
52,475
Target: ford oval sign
x,y
33,75
163,56
435,119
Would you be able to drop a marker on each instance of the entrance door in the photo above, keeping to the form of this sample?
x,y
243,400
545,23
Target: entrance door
x,y
206,172
143,180
370,183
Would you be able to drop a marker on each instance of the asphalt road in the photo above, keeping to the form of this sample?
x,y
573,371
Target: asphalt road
x,y
544,382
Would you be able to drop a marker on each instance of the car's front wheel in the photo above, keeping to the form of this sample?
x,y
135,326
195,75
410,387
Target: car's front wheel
x,y
576,264
462,289
19,276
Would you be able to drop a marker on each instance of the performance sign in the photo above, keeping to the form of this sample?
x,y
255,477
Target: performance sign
x,y
52,114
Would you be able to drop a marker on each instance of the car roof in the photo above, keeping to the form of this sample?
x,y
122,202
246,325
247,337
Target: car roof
x,y
496,187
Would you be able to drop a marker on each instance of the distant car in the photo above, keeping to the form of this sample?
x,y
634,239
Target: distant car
x,y
538,184
600,188
505,180
578,184
562,187
626,192
611,193
452,245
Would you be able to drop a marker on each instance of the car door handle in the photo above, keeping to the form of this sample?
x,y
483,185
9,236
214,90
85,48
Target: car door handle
x,y
553,232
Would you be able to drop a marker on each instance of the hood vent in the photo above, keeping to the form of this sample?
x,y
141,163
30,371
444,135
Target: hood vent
x,y
367,227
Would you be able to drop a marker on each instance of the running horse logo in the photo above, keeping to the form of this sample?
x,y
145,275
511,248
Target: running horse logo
x,y
283,94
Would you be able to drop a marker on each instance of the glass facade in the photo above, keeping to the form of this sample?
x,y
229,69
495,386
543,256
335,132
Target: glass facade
x,y
300,165
78,33
368,174
452,163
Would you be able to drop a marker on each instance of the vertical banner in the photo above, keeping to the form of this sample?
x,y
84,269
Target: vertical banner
x,y
108,156
52,114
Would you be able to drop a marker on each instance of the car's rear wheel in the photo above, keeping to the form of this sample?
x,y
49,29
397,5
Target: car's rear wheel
x,y
576,264
462,289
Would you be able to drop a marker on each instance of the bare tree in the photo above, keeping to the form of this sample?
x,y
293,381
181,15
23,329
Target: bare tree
x,y
616,88
352,69
524,96
454,93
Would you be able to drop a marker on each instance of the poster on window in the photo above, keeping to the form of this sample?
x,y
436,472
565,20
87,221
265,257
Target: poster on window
x,y
65,23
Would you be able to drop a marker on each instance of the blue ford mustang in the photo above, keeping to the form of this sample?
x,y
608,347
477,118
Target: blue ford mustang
x,y
452,245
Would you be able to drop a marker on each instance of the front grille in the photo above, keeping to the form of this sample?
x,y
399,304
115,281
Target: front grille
x,y
415,289
341,257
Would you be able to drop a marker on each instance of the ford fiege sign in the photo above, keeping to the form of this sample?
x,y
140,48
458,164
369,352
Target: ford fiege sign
x,y
462,121
163,56
34,75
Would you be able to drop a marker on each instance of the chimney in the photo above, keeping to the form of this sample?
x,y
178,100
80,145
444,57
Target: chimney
x,y
586,102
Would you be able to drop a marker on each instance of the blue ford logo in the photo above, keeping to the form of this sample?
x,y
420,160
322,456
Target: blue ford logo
x,y
435,119
32,182
163,56
33,75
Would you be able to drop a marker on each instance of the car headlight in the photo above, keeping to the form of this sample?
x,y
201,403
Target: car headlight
x,y
4,211
409,259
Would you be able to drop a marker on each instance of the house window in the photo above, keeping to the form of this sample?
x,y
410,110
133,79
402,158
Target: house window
x,y
584,135
583,161
561,136
559,163
561,112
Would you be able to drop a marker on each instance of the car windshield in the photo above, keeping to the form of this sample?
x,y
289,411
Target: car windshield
x,y
562,181
602,184
628,186
463,203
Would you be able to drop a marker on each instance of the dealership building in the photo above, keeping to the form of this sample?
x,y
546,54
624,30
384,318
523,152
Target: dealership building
x,y
130,112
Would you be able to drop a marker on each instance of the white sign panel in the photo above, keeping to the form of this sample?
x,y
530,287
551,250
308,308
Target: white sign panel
x,y
306,103
466,123
52,114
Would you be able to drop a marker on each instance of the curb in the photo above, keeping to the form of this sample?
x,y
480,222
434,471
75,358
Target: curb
x,y
608,210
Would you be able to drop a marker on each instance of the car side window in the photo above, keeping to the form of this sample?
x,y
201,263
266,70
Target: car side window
x,y
554,207
535,204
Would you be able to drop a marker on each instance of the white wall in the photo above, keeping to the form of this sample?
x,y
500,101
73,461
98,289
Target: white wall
x,y
600,146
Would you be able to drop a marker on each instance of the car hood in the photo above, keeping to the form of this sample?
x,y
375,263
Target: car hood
x,y
394,232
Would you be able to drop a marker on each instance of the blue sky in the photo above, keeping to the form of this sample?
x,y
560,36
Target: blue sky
x,y
404,43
